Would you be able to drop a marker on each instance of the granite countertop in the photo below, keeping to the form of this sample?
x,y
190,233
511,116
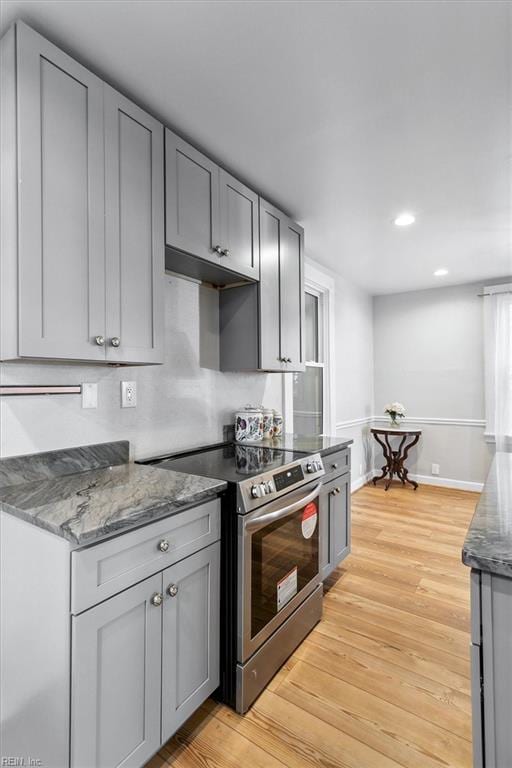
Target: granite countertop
x,y
90,505
304,443
488,544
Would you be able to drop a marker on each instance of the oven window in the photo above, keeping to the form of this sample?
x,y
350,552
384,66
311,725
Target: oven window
x,y
284,559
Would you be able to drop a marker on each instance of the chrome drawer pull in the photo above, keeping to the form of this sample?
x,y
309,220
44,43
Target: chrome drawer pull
x,y
163,545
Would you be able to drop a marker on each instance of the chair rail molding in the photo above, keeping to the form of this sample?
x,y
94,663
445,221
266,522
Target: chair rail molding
x,y
435,421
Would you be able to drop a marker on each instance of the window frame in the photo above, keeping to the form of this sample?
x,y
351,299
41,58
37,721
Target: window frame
x,y
489,351
319,283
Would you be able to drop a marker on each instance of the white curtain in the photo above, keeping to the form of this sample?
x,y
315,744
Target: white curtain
x,y
498,366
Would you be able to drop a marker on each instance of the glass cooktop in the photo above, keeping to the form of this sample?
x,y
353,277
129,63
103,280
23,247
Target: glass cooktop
x,y
230,462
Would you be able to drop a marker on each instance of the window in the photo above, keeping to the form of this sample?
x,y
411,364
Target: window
x,y
308,387
307,397
498,364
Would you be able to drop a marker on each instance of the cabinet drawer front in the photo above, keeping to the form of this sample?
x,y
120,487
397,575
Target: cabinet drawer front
x,y
105,569
336,463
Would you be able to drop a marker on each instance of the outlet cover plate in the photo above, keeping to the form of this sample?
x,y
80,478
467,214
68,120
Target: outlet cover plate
x,y
89,395
435,469
128,394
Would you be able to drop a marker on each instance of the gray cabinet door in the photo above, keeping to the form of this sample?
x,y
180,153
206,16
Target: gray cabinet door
x,y
334,521
271,220
238,226
292,294
134,225
190,638
191,200
60,203
339,511
116,680
326,565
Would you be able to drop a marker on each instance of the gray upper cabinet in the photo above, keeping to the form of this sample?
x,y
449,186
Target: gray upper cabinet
x,y
134,232
238,226
291,281
190,644
261,326
82,254
60,188
191,200
116,683
211,218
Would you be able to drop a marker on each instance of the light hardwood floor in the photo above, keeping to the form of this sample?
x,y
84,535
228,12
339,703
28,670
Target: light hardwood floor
x,y
383,680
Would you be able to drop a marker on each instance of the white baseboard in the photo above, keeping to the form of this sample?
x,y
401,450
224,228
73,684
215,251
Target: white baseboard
x,y
358,483
447,482
442,482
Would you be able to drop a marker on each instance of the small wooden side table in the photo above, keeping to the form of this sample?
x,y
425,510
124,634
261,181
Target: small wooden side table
x,y
395,459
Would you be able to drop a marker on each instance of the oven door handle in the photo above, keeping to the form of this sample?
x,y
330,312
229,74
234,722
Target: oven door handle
x,y
271,517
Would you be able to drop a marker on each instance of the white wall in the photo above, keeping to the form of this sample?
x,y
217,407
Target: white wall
x,y
354,372
183,403
428,353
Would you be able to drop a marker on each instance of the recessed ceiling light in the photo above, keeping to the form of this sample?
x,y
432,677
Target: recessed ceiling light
x,y
405,219
440,272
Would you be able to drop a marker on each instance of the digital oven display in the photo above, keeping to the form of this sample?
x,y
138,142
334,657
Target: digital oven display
x,y
288,477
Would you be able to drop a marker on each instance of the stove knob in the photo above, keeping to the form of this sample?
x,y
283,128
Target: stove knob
x,y
257,491
309,467
270,487
318,466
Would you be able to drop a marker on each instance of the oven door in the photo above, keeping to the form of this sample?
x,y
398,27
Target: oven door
x,y
278,564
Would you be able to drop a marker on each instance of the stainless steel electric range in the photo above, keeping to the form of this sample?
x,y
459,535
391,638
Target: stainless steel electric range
x,y
271,593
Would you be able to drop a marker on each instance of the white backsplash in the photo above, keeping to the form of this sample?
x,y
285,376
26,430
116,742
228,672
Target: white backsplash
x,y
180,404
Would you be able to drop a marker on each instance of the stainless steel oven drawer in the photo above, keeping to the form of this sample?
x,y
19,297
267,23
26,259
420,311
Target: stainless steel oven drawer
x,y
102,570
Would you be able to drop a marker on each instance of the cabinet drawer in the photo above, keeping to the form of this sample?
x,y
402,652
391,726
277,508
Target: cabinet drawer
x,y
336,463
105,569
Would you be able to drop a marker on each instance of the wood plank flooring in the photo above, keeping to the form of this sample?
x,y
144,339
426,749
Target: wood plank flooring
x,y
383,680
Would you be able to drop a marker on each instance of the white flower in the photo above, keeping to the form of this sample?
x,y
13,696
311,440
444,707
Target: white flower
x,y
397,408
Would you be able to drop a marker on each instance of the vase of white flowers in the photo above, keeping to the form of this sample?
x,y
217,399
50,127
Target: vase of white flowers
x,y
395,412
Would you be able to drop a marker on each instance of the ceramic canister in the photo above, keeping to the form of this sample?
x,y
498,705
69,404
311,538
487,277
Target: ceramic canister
x,y
268,422
278,424
248,424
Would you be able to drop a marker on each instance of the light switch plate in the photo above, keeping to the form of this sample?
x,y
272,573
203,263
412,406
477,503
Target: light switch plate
x,y
435,469
128,394
89,395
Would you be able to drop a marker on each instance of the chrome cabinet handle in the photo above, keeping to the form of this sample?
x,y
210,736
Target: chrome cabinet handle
x,y
224,252
172,589
217,249
115,341
334,465
335,491
163,545
157,599
99,340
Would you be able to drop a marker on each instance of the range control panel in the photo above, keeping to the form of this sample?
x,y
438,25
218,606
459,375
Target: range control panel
x,y
270,485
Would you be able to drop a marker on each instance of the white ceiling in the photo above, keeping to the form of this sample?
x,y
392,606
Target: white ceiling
x,y
343,113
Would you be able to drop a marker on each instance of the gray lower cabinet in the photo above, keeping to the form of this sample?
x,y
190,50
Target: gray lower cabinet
x,y
334,521
211,218
261,326
190,645
82,255
116,680
491,669
143,661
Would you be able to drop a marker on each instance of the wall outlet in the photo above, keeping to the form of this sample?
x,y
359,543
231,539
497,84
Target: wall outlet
x,y
128,394
89,395
435,469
